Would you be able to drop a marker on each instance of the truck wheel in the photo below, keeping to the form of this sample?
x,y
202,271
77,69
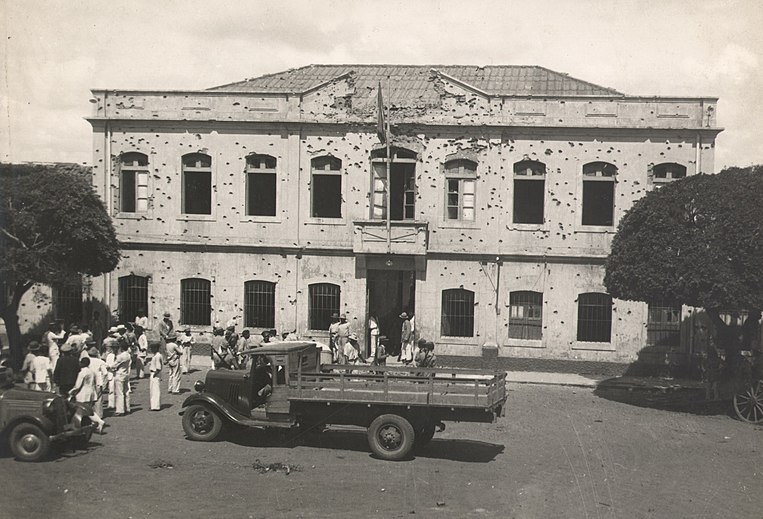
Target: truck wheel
x,y
391,437
28,442
425,434
201,423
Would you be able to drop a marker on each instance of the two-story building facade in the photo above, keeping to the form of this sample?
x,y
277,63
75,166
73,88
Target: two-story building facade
x,y
270,200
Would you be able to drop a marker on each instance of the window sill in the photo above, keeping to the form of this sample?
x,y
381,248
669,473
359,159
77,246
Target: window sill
x,y
132,216
458,340
523,343
459,224
196,217
593,346
595,229
531,227
325,221
261,219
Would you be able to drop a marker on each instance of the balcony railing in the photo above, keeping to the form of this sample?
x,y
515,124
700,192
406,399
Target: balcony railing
x,y
406,237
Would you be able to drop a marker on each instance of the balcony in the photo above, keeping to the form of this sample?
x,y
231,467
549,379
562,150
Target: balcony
x,y
406,237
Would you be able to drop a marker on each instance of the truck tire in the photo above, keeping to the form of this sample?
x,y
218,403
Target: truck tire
x,y
391,437
201,423
28,442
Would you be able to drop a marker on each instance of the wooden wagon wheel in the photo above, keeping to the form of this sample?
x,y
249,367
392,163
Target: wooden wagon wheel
x,y
748,403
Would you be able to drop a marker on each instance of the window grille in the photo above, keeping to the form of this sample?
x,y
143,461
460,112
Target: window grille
x,y
594,317
259,304
197,184
132,296
326,187
457,313
67,303
195,301
133,184
260,185
526,315
663,327
529,191
324,301
599,193
668,171
460,181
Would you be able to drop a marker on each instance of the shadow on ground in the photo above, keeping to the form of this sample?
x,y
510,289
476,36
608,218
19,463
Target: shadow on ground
x,y
355,440
683,396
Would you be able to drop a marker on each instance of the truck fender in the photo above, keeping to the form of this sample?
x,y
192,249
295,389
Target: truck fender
x,y
217,404
40,421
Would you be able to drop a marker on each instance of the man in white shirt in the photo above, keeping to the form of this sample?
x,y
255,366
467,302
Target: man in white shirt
x,y
40,368
141,319
50,340
98,366
122,365
186,342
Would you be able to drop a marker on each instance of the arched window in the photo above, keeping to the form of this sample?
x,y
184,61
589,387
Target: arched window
x,y
526,315
326,187
132,296
599,193
668,171
460,181
594,317
197,184
402,180
133,183
260,185
259,304
529,191
324,302
195,301
457,313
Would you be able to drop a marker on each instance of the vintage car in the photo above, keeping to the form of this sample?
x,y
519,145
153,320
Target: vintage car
x,y
31,421
287,386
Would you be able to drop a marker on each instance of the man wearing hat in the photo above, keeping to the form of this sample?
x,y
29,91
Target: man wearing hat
x,y
67,369
51,339
342,337
333,329
186,343
352,350
164,327
122,366
173,363
98,366
406,340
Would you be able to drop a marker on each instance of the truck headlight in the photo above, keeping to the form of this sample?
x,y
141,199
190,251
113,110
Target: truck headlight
x,y
199,386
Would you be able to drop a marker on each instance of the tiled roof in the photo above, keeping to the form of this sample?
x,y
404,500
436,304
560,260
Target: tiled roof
x,y
417,81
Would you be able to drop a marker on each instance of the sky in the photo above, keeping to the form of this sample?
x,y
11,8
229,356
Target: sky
x,y
54,52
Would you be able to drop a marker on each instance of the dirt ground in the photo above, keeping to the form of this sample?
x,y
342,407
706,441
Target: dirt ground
x,y
559,452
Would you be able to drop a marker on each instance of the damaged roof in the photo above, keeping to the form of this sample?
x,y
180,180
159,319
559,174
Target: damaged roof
x,y
417,82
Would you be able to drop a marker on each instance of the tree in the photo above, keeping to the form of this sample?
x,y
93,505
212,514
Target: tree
x,y
697,241
53,229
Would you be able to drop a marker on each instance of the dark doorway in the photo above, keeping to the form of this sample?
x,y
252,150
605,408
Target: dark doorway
x,y
391,292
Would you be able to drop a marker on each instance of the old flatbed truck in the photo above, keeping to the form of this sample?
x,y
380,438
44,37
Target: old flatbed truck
x,y
400,407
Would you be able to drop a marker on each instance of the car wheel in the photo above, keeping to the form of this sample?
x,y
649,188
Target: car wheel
x,y
28,442
201,423
391,437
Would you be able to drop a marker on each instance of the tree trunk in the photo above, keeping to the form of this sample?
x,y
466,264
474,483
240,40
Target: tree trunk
x,y
10,315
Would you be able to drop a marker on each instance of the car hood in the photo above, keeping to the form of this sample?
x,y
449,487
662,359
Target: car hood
x,y
22,393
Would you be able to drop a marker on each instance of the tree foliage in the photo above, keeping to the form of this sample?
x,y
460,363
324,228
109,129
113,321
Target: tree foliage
x,y
53,229
697,241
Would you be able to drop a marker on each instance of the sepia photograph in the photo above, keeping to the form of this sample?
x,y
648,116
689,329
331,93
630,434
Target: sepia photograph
x,y
352,259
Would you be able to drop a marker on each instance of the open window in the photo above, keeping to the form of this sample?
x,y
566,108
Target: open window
x,y
197,184
526,315
402,189
326,187
460,180
599,193
529,191
260,185
667,172
133,183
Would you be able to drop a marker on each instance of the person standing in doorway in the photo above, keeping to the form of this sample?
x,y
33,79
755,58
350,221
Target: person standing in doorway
x,y
173,364
406,340
373,330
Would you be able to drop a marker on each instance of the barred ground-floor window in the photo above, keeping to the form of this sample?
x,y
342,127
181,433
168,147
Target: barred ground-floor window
x,y
457,313
594,317
132,296
195,301
323,303
526,315
259,304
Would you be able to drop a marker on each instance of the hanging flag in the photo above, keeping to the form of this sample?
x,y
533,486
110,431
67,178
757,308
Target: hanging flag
x,y
380,115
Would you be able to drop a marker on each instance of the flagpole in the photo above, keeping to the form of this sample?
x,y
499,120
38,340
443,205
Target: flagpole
x,y
389,163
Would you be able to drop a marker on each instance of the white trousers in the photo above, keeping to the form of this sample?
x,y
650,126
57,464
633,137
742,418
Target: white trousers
x,y
122,394
155,391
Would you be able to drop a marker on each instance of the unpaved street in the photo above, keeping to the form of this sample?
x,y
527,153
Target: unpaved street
x,y
559,452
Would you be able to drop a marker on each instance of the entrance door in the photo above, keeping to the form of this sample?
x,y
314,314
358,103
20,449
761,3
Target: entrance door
x,y
390,293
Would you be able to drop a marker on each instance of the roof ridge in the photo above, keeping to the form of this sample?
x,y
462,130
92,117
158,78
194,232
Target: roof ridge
x,y
580,80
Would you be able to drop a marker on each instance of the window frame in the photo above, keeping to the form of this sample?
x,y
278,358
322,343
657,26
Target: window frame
x,y
537,175
596,172
449,319
251,170
197,169
668,167
663,328
125,302
67,298
608,303
526,323
326,171
206,317
311,307
130,162
378,158
459,172
268,296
